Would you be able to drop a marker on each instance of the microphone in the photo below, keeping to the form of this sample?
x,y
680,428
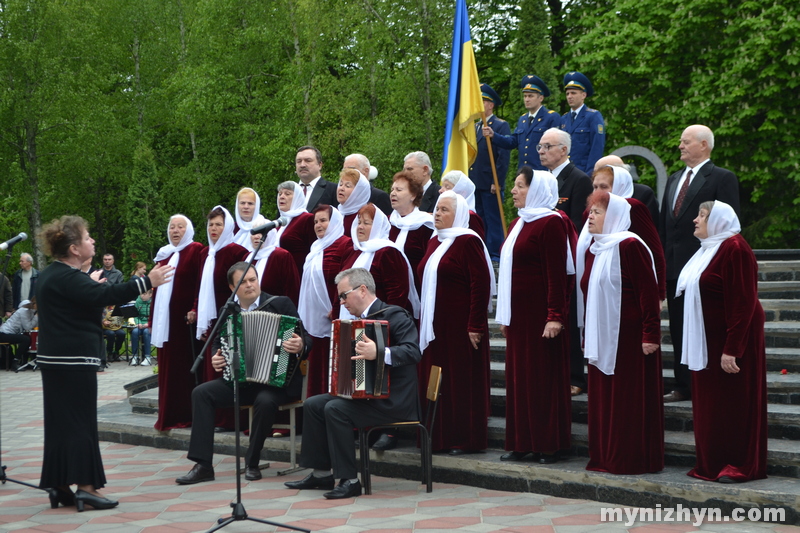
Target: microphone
x,y
282,221
11,242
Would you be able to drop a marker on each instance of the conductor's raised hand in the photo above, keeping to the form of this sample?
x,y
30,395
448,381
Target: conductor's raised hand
x,y
366,349
96,276
218,361
160,275
293,345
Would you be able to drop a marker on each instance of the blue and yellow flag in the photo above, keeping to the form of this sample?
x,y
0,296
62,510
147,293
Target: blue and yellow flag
x,y
464,102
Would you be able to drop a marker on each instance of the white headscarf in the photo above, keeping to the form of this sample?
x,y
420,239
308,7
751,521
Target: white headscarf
x,y
463,186
539,203
412,221
722,224
358,198
242,237
604,297
267,247
379,238
315,302
161,305
430,275
206,301
297,208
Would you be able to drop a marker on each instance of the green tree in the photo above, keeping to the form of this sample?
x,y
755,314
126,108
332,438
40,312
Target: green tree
x,y
143,212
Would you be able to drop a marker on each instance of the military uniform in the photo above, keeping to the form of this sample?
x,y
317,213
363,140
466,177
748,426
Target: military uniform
x,y
588,134
527,135
481,175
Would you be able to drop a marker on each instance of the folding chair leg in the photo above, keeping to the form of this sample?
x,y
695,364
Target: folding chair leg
x,y
292,446
363,446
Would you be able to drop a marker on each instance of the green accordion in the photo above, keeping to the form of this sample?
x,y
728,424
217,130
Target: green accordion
x,y
262,358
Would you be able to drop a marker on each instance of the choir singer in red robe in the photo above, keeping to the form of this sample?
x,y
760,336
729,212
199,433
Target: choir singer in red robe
x,y
723,343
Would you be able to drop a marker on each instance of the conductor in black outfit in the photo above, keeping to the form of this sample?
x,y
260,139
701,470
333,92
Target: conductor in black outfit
x,y
328,421
218,393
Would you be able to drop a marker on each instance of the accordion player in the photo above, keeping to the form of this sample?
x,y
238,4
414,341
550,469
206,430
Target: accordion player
x,y
360,378
262,357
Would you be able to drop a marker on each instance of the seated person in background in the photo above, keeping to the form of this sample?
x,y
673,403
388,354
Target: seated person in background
x,y
115,336
13,330
218,393
141,329
328,421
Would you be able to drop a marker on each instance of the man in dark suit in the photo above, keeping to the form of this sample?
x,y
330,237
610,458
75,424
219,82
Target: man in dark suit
x,y
328,421
481,172
584,124
218,393
418,164
574,187
376,196
700,181
641,192
317,190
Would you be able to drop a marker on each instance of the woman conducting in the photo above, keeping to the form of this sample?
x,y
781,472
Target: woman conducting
x,y
536,272
723,343
457,281
622,333
70,308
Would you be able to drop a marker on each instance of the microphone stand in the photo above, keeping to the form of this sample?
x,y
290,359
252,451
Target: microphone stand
x,y
3,476
231,308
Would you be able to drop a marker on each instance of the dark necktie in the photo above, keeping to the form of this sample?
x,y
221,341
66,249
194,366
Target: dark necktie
x,y
478,127
574,115
305,189
682,194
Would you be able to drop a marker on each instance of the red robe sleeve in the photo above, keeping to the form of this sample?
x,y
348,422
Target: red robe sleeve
x,y
635,263
642,225
740,290
554,259
479,281
391,277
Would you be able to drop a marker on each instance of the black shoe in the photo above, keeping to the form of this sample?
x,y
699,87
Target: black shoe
x,y
385,442
514,456
98,502
252,473
548,458
101,368
345,489
62,496
727,479
197,474
675,396
311,482
461,451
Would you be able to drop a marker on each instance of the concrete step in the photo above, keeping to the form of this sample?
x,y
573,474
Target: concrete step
x,y
779,270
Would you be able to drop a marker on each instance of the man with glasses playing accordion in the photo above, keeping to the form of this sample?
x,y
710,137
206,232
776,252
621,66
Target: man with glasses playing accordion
x,y
328,420
265,397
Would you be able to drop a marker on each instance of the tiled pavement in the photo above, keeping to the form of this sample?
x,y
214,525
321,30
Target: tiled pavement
x,y
142,479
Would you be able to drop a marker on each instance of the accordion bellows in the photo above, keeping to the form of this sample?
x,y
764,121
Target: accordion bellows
x,y
359,379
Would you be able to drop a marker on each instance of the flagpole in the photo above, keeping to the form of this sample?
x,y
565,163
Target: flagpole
x,y
496,183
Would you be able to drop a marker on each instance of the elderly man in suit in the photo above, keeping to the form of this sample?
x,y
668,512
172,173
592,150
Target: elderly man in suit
x,y
641,192
699,181
328,421
574,187
584,124
418,164
376,196
481,171
317,190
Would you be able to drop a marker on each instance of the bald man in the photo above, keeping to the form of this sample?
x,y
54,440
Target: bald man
x,y
699,181
641,192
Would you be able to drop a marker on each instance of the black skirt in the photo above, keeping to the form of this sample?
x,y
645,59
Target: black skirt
x,y
71,446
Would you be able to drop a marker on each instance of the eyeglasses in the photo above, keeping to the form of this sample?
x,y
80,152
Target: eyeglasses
x,y
343,295
546,147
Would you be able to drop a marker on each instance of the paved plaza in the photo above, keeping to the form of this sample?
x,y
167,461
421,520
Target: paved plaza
x,y
142,479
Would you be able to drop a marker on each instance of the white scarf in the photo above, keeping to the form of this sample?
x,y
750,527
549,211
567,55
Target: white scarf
x,y
722,224
267,247
297,208
315,303
358,198
164,294
431,273
242,237
604,297
464,187
622,187
378,239
206,300
539,203
412,221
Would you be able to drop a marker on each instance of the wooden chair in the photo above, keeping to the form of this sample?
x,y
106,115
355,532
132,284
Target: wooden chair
x,y
424,429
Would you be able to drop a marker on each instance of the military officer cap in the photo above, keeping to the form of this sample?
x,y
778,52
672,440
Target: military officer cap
x,y
534,84
576,80
490,94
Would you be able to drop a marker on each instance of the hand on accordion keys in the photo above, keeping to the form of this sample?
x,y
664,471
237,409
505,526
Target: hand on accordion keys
x,y
366,349
293,345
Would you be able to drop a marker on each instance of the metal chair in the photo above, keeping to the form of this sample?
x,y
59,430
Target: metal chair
x,y
425,429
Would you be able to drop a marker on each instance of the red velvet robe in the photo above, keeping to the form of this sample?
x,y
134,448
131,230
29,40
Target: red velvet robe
x,y
462,297
297,239
476,225
280,277
390,271
415,248
626,410
318,358
730,410
175,358
538,402
348,223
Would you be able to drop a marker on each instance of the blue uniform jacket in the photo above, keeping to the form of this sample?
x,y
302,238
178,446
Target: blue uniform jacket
x,y
527,136
588,134
481,170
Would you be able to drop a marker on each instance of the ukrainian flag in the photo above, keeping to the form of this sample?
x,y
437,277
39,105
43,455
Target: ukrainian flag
x,y
464,102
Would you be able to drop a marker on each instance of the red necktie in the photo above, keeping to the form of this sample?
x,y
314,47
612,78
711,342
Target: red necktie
x,y
682,194
305,189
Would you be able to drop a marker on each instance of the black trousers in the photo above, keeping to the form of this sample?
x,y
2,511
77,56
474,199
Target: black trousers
x,y
23,343
577,376
683,376
328,424
218,393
